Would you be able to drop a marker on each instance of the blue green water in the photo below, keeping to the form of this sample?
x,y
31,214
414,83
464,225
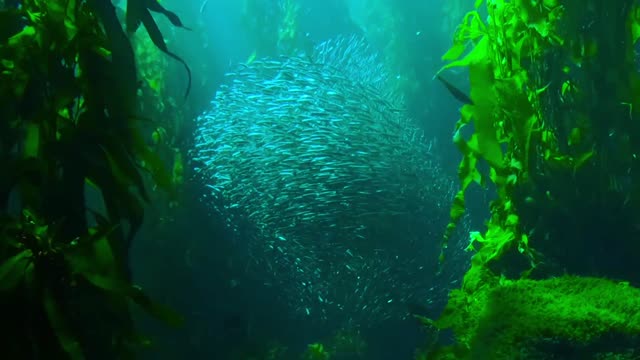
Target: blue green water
x,y
296,227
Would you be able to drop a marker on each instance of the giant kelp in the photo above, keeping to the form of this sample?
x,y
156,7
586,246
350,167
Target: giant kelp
x,y
554,90
69,131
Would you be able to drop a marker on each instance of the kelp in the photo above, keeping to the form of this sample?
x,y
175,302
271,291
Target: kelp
x,y
501,111
68,100
288,27
139,12
159,101
506,112
554,87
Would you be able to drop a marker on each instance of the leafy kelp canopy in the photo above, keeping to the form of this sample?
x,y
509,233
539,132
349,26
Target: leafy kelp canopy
x,y
552,113
75,167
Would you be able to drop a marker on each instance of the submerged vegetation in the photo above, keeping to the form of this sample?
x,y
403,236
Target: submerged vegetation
x,y
550,123
562,315
554,90
76,165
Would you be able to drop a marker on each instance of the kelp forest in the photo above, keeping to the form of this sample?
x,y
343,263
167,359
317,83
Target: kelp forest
x,y
549,130
554,101
78,165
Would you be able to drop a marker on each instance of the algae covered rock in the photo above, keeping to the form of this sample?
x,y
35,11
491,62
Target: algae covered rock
x,y
566,317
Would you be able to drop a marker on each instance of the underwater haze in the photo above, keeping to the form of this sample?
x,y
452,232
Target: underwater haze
x,y
318,180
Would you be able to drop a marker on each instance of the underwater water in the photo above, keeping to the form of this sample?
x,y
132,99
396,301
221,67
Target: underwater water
x,y
320,181
316,180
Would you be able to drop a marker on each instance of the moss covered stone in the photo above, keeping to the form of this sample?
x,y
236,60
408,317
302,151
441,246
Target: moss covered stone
x,y
515,319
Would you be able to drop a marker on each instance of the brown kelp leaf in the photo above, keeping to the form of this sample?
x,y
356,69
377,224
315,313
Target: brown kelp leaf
x,y
93,253
119,200
457,93
115,82
158,41
124,169
134,14
12,271
59,325
153,163
136,294
155,6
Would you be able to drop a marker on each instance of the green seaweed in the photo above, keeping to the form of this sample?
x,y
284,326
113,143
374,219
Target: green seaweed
x,y
68,102
552,113
316,351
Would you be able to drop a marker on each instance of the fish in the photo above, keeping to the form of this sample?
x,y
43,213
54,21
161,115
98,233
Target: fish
x,y
305,158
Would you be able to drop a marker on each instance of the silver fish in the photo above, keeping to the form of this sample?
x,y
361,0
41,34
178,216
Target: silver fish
x,y
323,179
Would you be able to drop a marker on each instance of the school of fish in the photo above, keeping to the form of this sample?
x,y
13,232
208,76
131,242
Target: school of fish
x,y
335,192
